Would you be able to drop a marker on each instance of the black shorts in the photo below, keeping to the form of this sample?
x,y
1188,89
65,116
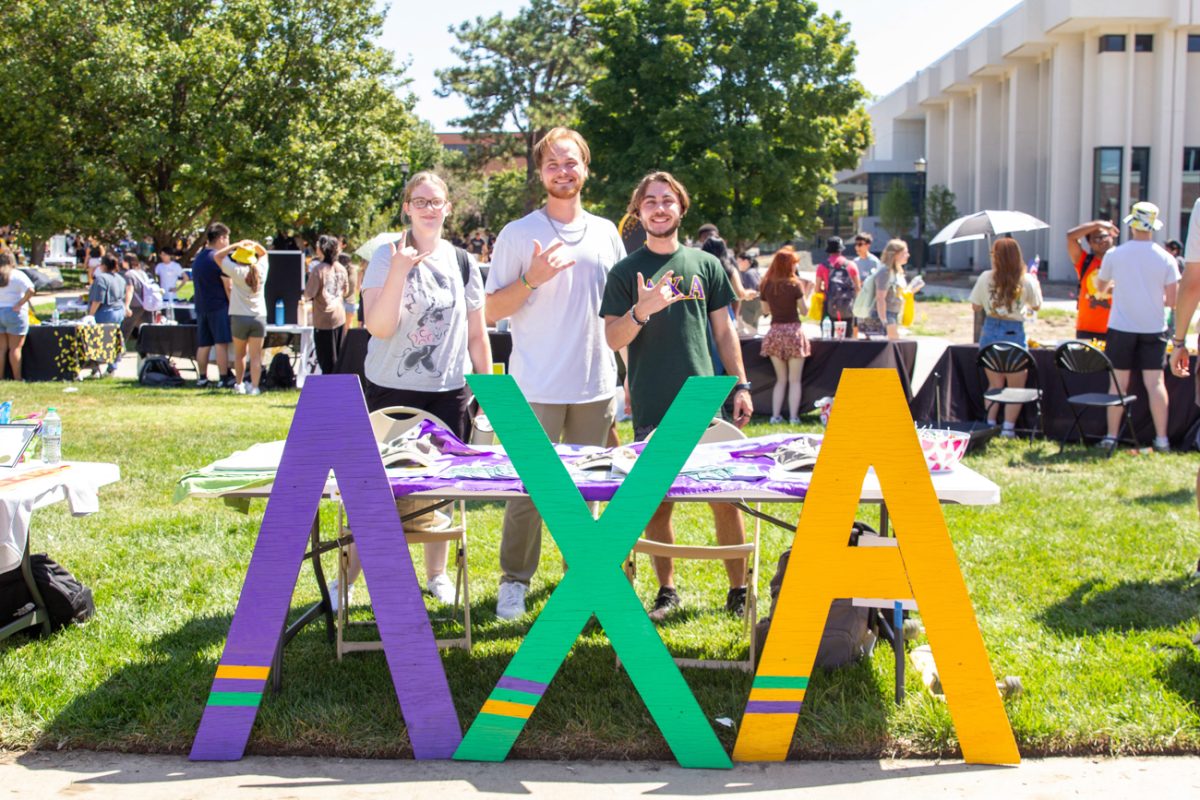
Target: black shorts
x,y
450,407
1132,351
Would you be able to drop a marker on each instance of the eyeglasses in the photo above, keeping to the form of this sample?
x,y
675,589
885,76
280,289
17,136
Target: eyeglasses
x,y
422,203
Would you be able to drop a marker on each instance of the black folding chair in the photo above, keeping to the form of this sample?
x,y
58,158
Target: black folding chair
x,y
1080,358
1008,358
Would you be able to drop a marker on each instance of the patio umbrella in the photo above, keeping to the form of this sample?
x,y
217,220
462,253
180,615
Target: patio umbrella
x,y
987,223
368,249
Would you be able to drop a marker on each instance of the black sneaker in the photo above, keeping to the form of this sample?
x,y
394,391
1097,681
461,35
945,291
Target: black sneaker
x,y
202,383
735,601
666,602
228,381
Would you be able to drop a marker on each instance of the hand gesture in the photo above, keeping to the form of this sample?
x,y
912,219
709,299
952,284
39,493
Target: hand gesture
x,y
743,408
405,258
546,264
652,299
1180,363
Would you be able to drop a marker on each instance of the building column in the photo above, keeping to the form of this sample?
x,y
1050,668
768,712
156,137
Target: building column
x,y
1065,181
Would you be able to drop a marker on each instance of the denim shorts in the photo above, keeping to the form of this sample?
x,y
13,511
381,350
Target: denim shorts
x,y
14,323
1002,330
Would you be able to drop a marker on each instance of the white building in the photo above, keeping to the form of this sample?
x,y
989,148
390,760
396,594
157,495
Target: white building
x,y
1065,109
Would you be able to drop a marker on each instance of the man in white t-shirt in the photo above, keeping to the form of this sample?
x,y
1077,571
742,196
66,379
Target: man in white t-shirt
x,y
170,274
1144,278
547,275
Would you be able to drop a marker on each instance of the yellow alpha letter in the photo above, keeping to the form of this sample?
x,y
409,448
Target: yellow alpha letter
x,y
871,427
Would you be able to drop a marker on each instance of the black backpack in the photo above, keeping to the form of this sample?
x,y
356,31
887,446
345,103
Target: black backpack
x,y
847,636
839,294
67,600
159,371
280,374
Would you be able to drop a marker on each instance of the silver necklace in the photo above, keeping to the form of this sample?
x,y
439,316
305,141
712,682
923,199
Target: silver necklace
x,y
558,231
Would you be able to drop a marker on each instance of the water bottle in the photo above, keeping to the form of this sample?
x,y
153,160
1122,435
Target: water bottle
x,y
52,437
826,328
54,315
279,311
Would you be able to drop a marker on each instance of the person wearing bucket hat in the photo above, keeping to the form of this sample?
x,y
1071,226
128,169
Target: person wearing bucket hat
x,y
1144,278
245,265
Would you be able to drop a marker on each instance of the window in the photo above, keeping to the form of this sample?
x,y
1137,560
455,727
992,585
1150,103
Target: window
x,y
1191,188
1139,176
1106,183
878,184
1112,43
1194,42
1143,43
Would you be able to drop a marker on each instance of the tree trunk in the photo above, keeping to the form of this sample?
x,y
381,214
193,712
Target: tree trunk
x,y
37,252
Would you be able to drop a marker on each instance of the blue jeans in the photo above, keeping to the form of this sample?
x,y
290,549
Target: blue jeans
x,y
1002,330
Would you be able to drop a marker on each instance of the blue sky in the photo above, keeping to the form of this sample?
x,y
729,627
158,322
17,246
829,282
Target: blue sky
x,y
895,39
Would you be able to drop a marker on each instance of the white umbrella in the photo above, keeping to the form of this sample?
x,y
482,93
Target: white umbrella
x,y
367,250
987,223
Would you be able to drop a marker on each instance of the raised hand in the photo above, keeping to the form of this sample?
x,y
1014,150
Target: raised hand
x,y
652,299
546,264
405,257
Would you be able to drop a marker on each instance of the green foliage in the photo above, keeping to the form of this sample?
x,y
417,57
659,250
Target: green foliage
x,y
940,210
896,212
751,103
521,74
160,115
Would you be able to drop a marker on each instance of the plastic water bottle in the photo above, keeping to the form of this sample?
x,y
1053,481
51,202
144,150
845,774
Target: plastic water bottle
x,y
279,311
52,437
54,315
826,328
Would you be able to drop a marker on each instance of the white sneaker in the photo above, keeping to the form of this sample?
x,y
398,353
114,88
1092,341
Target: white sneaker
x,y
442,588
254,391
510,602
239,388
775,421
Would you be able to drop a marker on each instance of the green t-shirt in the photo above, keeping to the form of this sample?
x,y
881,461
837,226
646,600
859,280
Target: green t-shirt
x,y
673,346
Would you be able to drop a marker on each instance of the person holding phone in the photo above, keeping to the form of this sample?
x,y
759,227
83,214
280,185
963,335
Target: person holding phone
x,y
659,301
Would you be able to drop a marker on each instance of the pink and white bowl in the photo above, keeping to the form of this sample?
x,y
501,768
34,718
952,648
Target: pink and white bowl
x,y
942,449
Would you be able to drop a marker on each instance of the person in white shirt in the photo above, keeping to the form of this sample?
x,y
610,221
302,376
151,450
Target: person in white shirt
x,y
547,274
16,290
1144,278
170,274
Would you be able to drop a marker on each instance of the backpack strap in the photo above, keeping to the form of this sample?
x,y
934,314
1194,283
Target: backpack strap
x,y
464,264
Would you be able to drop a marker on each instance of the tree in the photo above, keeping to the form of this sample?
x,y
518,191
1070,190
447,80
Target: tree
x,y
751,103
166,114
940,210
896,212
523,74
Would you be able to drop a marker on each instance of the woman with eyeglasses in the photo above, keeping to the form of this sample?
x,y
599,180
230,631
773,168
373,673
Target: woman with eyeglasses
x,y
423,305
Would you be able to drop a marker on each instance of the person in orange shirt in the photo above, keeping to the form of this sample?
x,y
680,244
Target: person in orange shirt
x,y
1094,305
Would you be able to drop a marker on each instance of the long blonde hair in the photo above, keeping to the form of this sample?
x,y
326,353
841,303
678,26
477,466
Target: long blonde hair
x,y
6,268
890,251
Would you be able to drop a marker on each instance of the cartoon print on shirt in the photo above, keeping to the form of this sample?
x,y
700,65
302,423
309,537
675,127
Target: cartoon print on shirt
x,y
432,325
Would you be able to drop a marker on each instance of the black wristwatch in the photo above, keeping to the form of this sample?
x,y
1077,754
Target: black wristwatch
x,y
737,387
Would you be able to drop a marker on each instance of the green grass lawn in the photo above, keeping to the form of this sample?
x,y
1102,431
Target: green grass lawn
x,y
1079,580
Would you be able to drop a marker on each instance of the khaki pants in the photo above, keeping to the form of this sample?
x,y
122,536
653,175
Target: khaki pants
x,y
521,538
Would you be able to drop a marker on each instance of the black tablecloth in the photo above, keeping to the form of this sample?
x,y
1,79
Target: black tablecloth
x,y
821,370
179,341
956,379
59,352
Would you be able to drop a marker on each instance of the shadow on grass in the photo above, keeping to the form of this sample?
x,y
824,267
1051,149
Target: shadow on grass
x,y
1175,498
1099,605
1181,674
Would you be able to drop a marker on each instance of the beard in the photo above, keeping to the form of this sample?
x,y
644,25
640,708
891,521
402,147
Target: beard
x,y
667,232
564,192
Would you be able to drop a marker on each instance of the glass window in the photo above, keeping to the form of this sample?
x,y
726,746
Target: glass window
x,y
1194,42
878,184
1139,176
1143,43
1106,183
1112,43
1191,187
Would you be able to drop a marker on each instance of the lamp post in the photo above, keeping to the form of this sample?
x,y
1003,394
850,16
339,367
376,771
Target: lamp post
x,y
919,166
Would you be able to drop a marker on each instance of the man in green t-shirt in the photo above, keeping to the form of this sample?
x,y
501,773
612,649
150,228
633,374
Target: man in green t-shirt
x,y
659,301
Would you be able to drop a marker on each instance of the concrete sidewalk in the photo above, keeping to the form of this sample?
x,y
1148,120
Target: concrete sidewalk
x,y
133,777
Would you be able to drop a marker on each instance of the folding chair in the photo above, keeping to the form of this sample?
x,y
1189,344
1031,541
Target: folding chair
x,y
1080,358
718,431
1008,358
416,515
